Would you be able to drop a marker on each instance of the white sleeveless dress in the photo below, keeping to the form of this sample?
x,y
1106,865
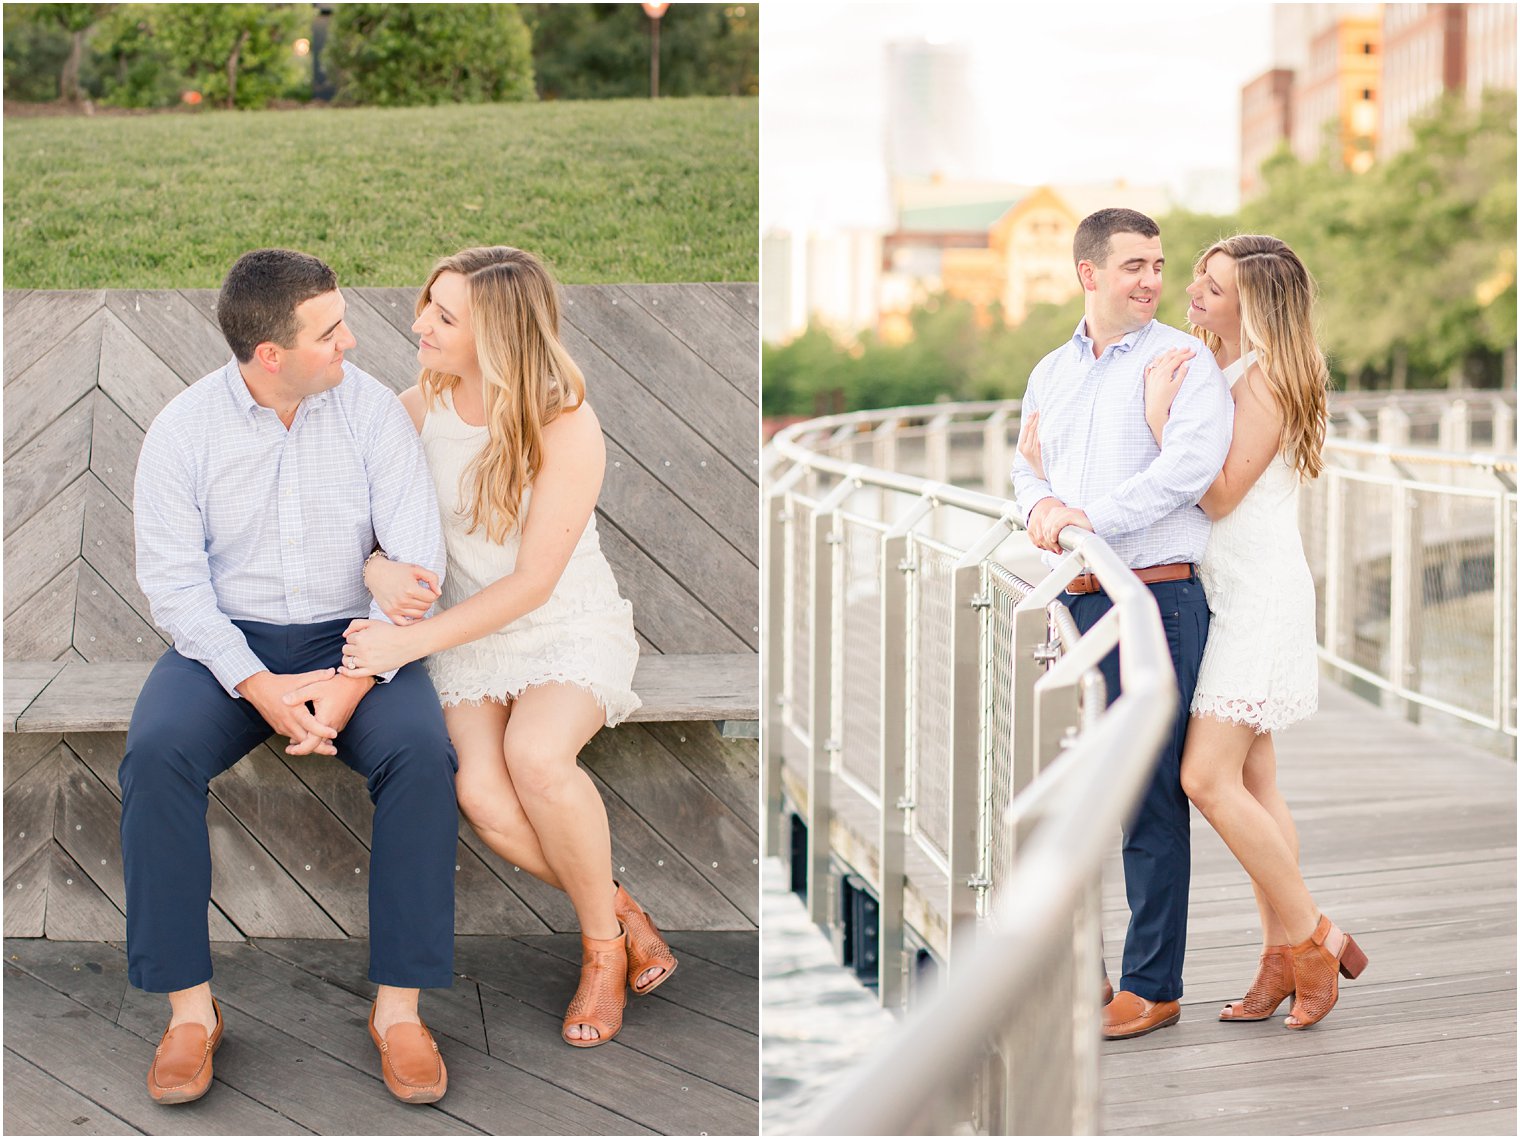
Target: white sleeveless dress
x,y
1259,664
582,635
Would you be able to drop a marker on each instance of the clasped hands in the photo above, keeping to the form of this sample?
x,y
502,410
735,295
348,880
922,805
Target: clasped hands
x,y
283,699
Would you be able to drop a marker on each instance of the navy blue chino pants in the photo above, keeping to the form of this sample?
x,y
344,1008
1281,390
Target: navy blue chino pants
x,y
186,730
1157,849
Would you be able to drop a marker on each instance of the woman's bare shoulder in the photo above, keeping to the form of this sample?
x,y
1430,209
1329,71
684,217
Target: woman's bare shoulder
x,y
416,405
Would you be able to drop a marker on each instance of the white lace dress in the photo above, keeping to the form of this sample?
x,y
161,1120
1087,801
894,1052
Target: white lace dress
x,y
1259,665
583,635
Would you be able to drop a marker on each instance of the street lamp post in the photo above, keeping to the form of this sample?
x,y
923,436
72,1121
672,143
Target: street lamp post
x,y
654,12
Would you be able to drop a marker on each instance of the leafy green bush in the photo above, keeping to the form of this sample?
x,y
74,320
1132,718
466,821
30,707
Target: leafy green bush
x,y
234,55
399,55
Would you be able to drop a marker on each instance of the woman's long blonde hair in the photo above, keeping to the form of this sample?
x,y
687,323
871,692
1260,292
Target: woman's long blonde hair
x,y
1277,322
529,377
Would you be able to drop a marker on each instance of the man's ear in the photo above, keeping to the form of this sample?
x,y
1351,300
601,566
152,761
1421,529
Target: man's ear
x,y
1086,274
269,356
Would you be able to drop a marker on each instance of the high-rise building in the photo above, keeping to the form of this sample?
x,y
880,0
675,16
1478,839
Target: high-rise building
x,y
1424,58
1335,95
930,130
1490,49
1266,120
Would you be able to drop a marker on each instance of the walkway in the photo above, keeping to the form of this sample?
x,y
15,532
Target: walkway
x,y
1408,841
297,1058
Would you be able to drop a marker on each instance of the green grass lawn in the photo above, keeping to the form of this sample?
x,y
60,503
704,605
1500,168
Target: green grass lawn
x,y
618,191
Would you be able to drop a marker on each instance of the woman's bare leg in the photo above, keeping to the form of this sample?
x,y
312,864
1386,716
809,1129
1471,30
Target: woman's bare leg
x,y
1260,777
1213,776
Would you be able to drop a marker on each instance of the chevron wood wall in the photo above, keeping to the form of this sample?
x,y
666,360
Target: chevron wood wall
x,y
673,372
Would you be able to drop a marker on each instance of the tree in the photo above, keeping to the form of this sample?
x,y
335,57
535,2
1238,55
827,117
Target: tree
x,y
601,51
46,23
237,55
393,55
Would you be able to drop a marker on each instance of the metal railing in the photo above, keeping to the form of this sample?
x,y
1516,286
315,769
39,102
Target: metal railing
x,y
941,729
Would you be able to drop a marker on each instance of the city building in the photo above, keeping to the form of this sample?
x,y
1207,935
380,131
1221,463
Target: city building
x,y
831,278
1335,95
928,130
1425,49
1491,37
1266,120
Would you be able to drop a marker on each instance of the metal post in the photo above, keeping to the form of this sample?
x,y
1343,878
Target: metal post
x,y
1340,564
896,807
964,849
1393,426
773,677
1406,600
1504,611
997,470
821,747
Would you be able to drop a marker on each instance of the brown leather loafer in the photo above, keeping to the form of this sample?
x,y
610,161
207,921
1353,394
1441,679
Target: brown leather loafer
x,y
410,1062
181,1068
1128,1016
1108,992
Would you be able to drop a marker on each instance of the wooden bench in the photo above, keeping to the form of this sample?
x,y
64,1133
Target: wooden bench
x,y
673,372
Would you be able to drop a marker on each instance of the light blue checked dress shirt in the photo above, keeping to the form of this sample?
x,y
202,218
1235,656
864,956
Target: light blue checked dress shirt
x,y
239,519
1099,455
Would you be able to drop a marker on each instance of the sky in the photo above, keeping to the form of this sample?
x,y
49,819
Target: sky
x,y
1080,91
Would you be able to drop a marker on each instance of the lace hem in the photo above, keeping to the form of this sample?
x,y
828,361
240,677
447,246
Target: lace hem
x,y
1270,715
616,704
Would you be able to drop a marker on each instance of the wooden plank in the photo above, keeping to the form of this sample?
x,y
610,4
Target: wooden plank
x,y
25,890
23,752
730,769
106,1063
696,823
24,681
99,696
31,803
655,872
173,328
397,305
132,375
42,628
109,547
88,826
37,1104
698,687
95,697
743,298
667,369
720,485
91,973
549,906
39,320
383,351
487,1091
44,467
656,1093
710,327
42,547
106,628
664,612
679,539
60,378
115,442
77,910
737,952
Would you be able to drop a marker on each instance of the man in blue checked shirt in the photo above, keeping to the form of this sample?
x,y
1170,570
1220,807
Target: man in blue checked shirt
x,y
261,489
1087,459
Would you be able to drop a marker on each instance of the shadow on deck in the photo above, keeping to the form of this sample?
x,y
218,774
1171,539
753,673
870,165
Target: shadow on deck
x,y
297,1058
1408,842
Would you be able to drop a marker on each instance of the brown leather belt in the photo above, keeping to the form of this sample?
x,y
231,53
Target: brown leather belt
x,y
1177,571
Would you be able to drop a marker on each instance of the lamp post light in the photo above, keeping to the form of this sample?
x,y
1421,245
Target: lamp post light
x,y
654,12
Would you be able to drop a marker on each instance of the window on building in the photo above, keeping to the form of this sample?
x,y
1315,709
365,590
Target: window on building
x,y
1368,49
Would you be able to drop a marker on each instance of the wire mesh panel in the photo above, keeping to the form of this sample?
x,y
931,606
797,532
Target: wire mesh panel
x,y
1507,618
799,615
933,610
1369,545
1455,543
1003,593
859,614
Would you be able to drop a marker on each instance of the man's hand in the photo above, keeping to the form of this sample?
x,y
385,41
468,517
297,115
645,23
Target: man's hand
x,y
1048,518
307,734
334,699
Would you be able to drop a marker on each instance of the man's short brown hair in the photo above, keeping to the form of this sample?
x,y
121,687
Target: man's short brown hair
x,y
1094,240
261,293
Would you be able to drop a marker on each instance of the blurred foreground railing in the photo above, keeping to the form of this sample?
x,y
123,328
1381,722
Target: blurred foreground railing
x,y
937,741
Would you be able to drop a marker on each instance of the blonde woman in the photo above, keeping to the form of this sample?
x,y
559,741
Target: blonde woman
x,y
1252,304
532,650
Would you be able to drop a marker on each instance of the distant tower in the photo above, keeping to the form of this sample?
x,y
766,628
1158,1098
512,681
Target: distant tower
x,y
930,131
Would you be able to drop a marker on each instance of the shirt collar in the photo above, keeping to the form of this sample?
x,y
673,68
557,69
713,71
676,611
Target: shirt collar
x,y
243,400
1123,344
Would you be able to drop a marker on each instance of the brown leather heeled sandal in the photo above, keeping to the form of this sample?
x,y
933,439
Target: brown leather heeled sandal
x,y
599,998
1272,986
1318,965
646,948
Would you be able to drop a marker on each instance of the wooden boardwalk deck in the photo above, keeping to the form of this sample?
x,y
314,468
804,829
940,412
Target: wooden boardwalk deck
x,y
1408,841
298,1060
